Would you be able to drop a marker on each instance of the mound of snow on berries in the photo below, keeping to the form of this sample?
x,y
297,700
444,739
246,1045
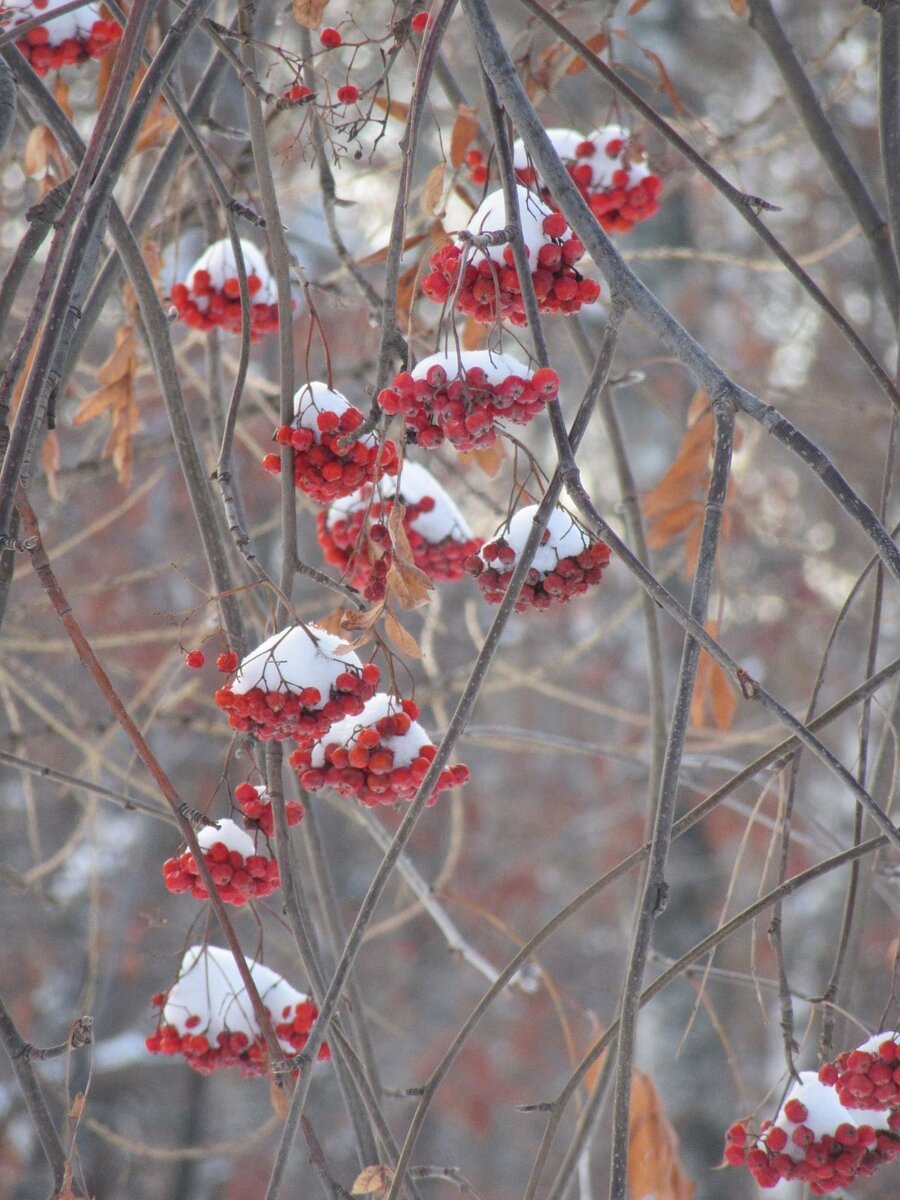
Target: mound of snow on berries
x,y
293,660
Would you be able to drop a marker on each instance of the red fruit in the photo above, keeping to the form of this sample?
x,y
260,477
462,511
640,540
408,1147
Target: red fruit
x,y
330,38
194,659
227,661
348,94
420,22
299,91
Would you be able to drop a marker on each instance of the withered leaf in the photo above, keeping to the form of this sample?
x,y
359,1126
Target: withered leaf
x,y
432,190
474,336
362,620
654,1168
739,7
405,580
308,13
401,638
39,148
278,1097
465,130
334,621
489,460
394,108
50,463
372,1181
117,397
597,43
636,7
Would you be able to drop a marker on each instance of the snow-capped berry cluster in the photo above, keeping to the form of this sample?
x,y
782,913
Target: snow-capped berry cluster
x,y
462,397
207,1017
379,757
609,169
324,467
61,41
256,805
354,535
815,1140
210,295
238,871
294,685
869,1076
566,564
483,282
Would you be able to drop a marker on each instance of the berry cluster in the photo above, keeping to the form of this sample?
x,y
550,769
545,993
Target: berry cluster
x,y
869,1076
815,1140
379,757
462,397
354,535
211,295
66,40
486,285
256,805
207,1017
295,686
238,871
566,564
324,467
608,168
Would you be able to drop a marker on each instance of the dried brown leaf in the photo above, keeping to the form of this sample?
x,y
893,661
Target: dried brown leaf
x,y
117,397
334,621
597,44
406,292
408,584
654,1168
362,620
308,13
77,1107
50,463
739,7
670,525
39,148
432,190
372,1181
636,7
159,122
465,130
122,363
474,336
380,256
401,638
61,94
489,460
278,1097
394,108
665,80
111,397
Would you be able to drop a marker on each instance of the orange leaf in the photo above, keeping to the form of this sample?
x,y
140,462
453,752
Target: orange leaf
x,y
489,460
670,525
465,130
39,148
636,7
110,397
474,336
405,580
50,463
380,256
739,6
61,93
362,620
372,1181
334,622
122,362
401,638
432,190
394,108
653,1165
596,44
308,13
278,1098
665,81
406,292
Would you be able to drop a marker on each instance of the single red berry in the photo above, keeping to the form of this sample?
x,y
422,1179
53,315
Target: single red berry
x,y
420,22
227,661
348,94
330,38
194,659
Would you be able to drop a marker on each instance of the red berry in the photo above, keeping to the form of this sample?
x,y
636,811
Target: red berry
x,y
330,38
227,661
348,94
194,659
420,22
